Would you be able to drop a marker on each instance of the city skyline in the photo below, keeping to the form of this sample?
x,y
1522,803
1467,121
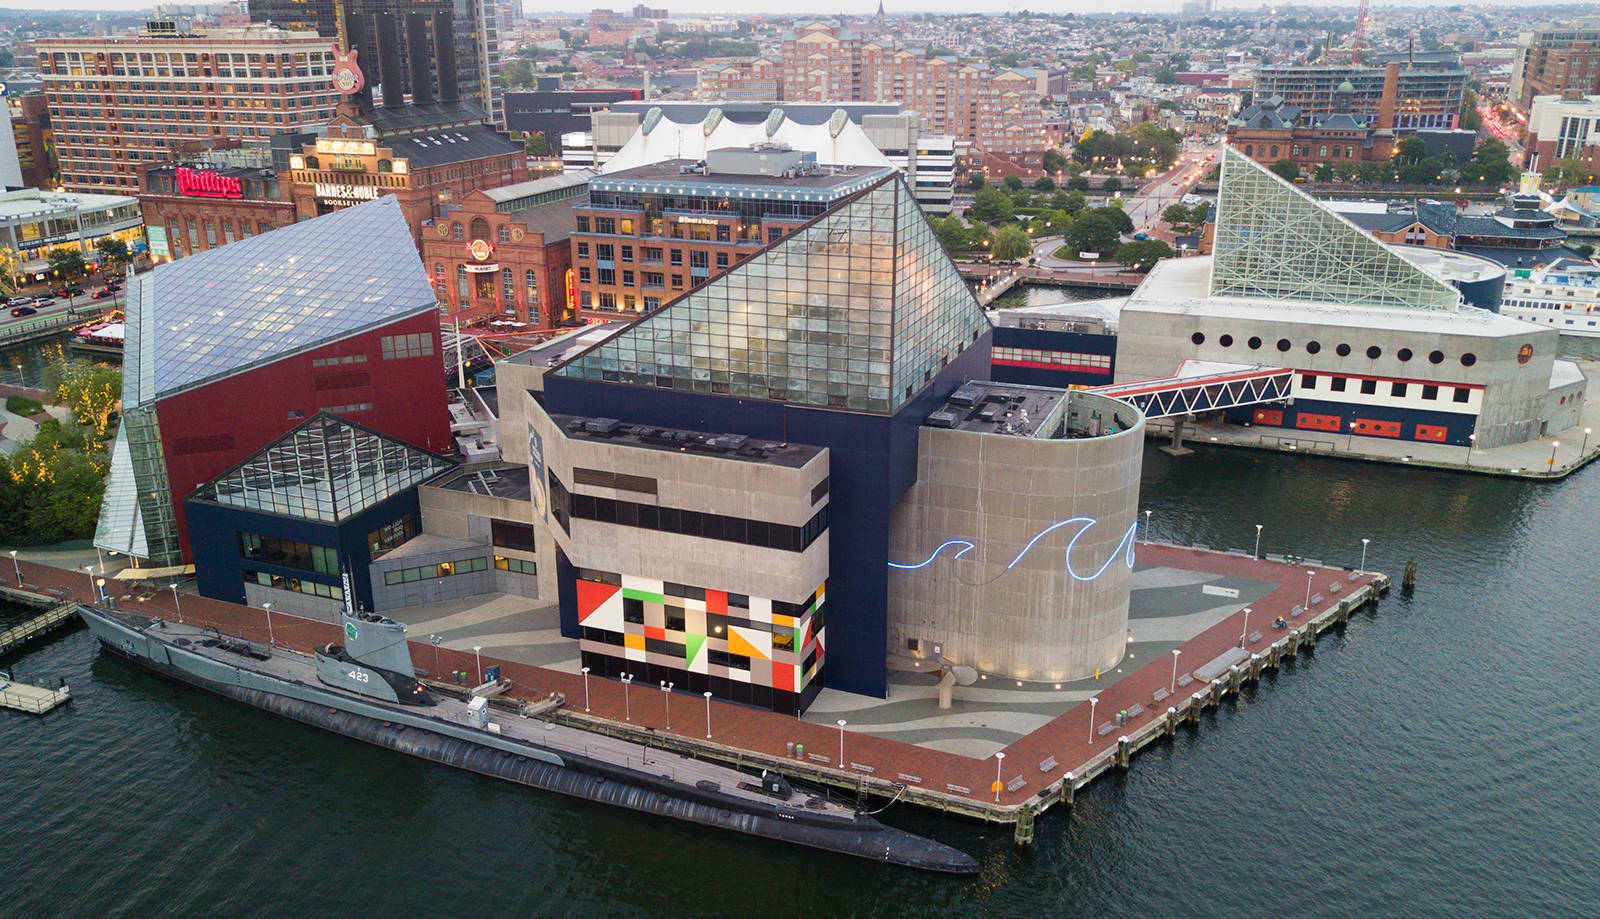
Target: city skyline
x,y
857,8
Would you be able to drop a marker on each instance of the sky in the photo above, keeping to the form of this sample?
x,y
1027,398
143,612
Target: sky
x,y
847,7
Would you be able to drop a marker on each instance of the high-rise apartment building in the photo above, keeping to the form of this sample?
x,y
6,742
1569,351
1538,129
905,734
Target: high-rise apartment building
x,y
1555,60
120,103
1564,128
475,27
997,111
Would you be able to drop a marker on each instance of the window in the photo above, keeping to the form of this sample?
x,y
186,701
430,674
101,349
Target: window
x,y
1283,344
1343,350
722,261
1369,387
1468,359
515,565
503,234
1463,394
1374,352
288,553
1403,355
698,260
1308,381
392,534
509,535
1225,341
1198,338
403,346
1313,347
627,279
677,256
627,253
605,252
1429,391
606,225
1254,342
1435,357
582,223
584,276
1398,390
583,250
431,572
1336,384
455,230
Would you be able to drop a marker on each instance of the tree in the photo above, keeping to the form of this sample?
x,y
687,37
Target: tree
x,y
112,251
1176,214
1286,169
1092,232
1053,161
1044,184
1410,150
93,392
1165,76
1490,164
67,262
1142,254
1323,172
1376,172
1013,183
1078,183
1071,202
1011,243
516,75
952,233
536,145
1565,174
1112,185
976,181
1471,118
1116,217
1347,171
991,205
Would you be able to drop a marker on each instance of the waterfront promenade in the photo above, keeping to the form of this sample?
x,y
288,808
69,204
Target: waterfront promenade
x,y
1034,771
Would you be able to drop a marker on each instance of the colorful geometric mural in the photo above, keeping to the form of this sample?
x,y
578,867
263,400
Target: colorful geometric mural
x,y
695,630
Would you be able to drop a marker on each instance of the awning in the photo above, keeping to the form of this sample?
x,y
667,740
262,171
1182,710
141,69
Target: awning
x,y
145,574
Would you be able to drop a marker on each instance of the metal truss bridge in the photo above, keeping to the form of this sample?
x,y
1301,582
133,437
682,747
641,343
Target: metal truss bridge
x,y
1208,390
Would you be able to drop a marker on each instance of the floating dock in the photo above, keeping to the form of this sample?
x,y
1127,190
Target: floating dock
x,y
35,700
61,616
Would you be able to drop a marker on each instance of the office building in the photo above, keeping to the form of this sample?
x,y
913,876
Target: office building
x,y
121,103
1556,60
1407,98
1564,128
34,139
648,234
35,223
333,313
473,27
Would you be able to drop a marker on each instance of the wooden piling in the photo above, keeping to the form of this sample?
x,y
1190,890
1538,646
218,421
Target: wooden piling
x,y
1124,754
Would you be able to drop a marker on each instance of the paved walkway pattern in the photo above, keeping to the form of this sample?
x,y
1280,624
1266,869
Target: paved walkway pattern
x,y
1060,728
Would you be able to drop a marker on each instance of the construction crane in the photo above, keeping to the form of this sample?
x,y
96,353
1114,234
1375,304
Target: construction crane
x,y
1361,33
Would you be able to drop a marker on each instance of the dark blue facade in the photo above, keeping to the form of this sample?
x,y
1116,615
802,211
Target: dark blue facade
x,y
1055,342
873,461
219,566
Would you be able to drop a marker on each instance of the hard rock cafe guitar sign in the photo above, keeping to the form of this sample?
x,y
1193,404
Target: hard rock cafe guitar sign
x,y
347,77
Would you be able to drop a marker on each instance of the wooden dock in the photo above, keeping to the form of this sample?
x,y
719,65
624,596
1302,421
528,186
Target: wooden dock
x,y
35,700
59,616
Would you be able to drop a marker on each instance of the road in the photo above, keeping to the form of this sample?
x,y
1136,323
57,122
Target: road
x,y
83,306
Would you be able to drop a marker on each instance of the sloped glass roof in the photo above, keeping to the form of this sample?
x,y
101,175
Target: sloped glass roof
x,y
327,469
120,528
856,310
259,298
1273,241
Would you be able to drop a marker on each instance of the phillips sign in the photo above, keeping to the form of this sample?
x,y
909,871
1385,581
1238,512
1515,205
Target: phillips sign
x,y
207,184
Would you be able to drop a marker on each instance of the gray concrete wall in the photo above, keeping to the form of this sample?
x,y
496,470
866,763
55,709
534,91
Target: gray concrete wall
x,y
464,515
1564,406
293,603
1034,620
387,597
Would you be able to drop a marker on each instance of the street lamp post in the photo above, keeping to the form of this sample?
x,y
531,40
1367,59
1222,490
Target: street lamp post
x,y
586,689
434,640
627,705
271,639
1176,653
707,694
666,695
1585,447
16,567
841,723
478,656
1363,569
175,604
1349,438
1554,446
1093,701
93,594
1147,525
1309,575
1258,541
1244,632
101,559
999,759
1472,444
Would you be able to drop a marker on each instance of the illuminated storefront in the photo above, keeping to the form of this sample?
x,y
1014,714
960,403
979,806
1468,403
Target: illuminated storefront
x,y
196,205
35,223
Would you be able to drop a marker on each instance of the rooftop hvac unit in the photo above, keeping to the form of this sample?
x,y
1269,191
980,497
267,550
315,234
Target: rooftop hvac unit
x,y
605,427
942,419
966,395
728,442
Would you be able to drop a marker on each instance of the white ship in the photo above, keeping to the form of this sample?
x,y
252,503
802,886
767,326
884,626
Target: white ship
x,y
1564,295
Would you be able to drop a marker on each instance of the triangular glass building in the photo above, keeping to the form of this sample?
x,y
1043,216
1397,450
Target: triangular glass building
x,y
326,469
857,311
1273,241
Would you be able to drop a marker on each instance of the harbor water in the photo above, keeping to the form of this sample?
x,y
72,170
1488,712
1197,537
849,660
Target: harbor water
x,y
1437,757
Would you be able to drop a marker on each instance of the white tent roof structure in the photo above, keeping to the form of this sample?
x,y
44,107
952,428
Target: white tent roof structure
x,y
836,142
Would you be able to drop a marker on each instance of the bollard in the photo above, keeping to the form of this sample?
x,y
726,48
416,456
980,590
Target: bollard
x,y
1195,704
1172,722
1255,667
1294,643
1274,655
1408,581
1124,752
1023,834
1068,790
1235,678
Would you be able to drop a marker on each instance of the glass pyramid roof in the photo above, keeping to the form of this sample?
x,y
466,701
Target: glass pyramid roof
x,y
258,298
327,469
856,310
1273,241
120,527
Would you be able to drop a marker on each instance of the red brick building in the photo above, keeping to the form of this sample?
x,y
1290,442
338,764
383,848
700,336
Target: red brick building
x,y
195,204
505,252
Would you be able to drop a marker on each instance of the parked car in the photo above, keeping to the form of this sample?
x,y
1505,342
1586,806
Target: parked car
x,y
23,311
1141,236
101,293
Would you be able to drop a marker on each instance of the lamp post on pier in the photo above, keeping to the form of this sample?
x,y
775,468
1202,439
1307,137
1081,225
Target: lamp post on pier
x,y
271,640
1176,652
999,759
1554,446
627,706
841,723
175,604
1245,632
1350,438
1146,526
666,695
586,689
1093,701
1585,447
434,640
93,594
707,694
16,567
1310,573
478,656
1472,444
1258,541
1363,569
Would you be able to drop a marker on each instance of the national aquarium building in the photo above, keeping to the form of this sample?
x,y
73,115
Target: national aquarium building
x,y
777,481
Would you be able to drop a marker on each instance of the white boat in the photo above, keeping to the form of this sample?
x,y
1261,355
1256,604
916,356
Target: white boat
x,y
1564,295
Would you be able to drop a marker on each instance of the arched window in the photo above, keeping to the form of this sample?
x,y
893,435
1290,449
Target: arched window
x,y
480,228
455,230
385,166
313,163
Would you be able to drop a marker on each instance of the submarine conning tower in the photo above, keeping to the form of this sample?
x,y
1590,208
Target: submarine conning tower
x,y
377,641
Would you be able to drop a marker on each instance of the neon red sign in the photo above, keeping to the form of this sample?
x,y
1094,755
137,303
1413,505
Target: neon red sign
x,y
207,184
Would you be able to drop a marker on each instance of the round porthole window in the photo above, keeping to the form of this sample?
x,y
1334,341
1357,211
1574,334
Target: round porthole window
x,y
1283,344
1225,341
1374,352
1404,354
1468,359
1254,343
1313,347
1436,357
1198,338
1343,350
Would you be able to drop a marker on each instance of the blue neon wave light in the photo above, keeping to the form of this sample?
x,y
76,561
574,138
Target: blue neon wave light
x,y
1124,548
